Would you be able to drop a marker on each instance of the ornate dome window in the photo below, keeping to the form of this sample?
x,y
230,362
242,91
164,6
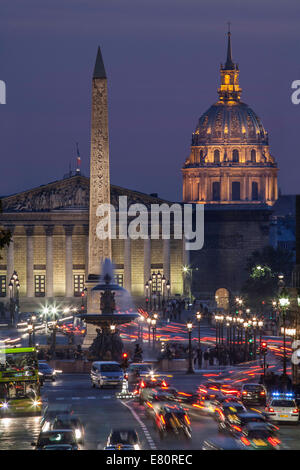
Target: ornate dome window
x,y
235,156
217,156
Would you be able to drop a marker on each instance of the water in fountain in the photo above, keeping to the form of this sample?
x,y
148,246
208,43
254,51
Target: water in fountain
x,y
124,302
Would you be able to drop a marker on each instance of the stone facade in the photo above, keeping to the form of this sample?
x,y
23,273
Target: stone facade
x,y
52,244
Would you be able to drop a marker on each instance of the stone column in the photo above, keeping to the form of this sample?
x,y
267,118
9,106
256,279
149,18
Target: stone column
x,y
29,260
69,260
147,260
49,259
166,258
127,264
86,233
185,262
9,258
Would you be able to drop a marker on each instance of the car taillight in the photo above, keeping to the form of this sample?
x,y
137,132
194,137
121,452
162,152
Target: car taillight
x,y
271,410
237,428
273,442
295,410
263,392
244,393
142,385
187,420
162,419
245,441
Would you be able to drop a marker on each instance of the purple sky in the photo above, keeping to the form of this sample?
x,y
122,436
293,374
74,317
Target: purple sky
x,y
162,59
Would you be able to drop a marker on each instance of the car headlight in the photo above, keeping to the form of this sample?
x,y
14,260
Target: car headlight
x,y
78,433
136,447
46,426
4,405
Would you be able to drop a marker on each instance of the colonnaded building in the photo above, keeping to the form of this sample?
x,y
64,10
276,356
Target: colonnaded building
x,y
230,170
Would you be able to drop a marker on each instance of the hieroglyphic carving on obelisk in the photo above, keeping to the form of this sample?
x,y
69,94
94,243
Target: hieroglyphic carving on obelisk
x,y
99,173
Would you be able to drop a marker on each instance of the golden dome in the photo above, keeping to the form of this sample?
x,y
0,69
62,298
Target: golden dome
x,y
229,122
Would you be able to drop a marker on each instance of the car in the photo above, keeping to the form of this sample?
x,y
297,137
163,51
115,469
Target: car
x,y
67,421
226,411
145,387
46,372
224,388
235,423
258,436
137,370
50,413
253,393
61,439
172,419
223,443
123,439
105,373
282,407
157,397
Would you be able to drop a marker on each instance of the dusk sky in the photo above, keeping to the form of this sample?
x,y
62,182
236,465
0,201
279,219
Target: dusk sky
x,y
162,59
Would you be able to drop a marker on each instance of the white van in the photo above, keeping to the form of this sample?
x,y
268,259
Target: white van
x,y
106,373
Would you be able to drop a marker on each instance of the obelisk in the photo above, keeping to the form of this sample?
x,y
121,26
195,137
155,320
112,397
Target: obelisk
x,y
99,179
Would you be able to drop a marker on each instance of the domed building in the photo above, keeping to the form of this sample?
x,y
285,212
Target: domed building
x,y
230,161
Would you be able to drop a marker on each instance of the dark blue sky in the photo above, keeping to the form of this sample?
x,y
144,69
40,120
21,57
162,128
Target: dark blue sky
x,y
162,59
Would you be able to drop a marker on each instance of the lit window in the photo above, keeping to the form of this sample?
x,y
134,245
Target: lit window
x,y
118,279
216,156
235,156
236,191
2,286
78,284
39,285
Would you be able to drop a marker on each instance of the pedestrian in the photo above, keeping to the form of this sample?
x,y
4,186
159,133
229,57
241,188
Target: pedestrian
x,y
206,358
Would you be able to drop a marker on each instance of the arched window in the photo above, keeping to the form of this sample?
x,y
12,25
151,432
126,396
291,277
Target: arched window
x,y
254,191
216,191
253,156
201,155
236,191
235,156
216,156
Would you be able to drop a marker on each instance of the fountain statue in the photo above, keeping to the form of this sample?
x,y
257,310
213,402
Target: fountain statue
x,y
108,345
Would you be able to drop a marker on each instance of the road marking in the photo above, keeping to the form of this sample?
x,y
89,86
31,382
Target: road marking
x,y
75,398
91,398
143,426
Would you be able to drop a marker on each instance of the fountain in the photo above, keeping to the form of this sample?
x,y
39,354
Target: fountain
x,y
107,345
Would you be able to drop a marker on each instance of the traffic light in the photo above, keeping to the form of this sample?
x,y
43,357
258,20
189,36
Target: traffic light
x,y
264,347
124,363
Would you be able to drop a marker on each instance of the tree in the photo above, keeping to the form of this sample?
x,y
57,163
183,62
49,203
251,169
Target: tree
x,y
5,235
263,268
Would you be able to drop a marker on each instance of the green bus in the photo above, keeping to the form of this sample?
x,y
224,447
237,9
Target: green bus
x,y
19,383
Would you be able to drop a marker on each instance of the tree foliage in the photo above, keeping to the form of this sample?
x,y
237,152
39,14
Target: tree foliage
x,y
5,235
263,268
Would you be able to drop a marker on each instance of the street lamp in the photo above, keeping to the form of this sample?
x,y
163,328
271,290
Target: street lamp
x,y
30,332
14,287
198,316
284,303
189,327
147,295
112,328
168,286
149,327
153,324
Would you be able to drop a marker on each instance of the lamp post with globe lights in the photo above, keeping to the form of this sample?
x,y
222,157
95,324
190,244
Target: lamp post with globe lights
x,y
14,287
149,329
153,325
189,327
